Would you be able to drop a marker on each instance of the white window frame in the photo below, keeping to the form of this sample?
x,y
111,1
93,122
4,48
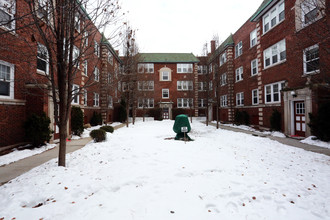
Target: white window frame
x,y
223,80
96,74
85,97
77,22
275,51
223,101
255,94
239,74
223,58
256,67
110,101
41,46
146,103
184,68
167,74
238,49
165,91
10,80
11,11
240,99
202,69
146,68
253,38
272,93
86,38
85,68
75,94
184,85
96,100
96,48
202,86
308,6
110,58
273,13
201,103
146,85
184,102
314,59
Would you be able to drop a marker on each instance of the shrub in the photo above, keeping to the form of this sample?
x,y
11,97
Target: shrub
x,y
98,135
275,120
320,123
77,120
96,119
238,117
156,113
245,118
37,129
107,128
241,118
178,111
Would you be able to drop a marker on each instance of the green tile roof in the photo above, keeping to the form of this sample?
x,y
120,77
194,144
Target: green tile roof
x,y
167,58
263,5
228,42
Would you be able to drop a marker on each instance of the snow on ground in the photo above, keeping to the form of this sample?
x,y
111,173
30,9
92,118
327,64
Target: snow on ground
x,y
141,173
21,154
310,140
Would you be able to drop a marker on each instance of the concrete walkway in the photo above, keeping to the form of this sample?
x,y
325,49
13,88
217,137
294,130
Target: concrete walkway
x,y
15,169
288,141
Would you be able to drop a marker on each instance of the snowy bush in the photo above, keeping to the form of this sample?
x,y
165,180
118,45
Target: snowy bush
x,y
107,128
77,120
98,135
37,129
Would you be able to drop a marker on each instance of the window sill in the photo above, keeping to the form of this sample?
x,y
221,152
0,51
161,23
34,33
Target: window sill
x,y
278,63
10,31
311,73
239,81
254,75
11,101
40,72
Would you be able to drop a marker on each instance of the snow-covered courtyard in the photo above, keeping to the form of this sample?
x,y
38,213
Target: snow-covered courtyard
x,y
142,173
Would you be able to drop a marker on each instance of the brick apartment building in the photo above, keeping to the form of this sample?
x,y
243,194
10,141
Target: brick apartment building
x,y
278,59
24,68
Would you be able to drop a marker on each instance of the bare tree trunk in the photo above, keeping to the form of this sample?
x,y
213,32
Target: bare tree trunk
x,y
62,148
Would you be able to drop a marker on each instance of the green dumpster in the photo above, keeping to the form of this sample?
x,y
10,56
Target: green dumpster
x,y
182,127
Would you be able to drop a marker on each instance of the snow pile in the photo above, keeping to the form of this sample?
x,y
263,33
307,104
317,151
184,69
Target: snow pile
x,y
316,142
141,173
21,154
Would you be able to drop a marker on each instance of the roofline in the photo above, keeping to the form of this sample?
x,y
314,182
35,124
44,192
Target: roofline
x,y
106,42
259,13
151,61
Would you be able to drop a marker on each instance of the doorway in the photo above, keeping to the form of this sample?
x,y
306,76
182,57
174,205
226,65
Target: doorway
x,y
299,118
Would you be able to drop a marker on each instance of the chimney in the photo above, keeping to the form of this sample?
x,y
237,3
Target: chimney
x,y
212,46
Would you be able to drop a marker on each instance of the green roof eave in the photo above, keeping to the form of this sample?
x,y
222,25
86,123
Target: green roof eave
x,y
107,43
261,8
167,58
228,42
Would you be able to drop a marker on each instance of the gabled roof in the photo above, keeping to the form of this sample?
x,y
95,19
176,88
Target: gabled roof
x,y
114,53
167,58
265,5
228,42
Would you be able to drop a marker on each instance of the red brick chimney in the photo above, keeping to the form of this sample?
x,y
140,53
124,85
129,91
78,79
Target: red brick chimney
x,y
212,46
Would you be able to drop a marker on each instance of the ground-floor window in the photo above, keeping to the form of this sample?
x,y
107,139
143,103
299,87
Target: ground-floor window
x,y
185,103
6,80
146,103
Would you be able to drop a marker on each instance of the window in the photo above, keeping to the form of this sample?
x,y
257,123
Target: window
x,y
165,93
77,22
6,80
309,12
184,68
42,9
202,86
223,101
311,59
253,38
238,49
201,103
210,68
96,49
275,54
254,67
110,58
145,103
146,68
239,74
7,14
110,102
210,86
75,94
240,99
184,103
145,85
76,54
85,97
202,70
165,76
223,79
273,17
86,68
96,99
184,85
255,97
125,86
42,59
96,74
86,38
223,58
272,92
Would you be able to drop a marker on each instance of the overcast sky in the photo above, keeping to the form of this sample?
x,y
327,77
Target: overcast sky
x,y
183,26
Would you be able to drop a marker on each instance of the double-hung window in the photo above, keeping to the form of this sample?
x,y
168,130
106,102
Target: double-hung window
x,y
240,99
184,85
311,59
145,85
202,86
223,58
75,94
239,74
110,58
184,68
85,97
273,17
145,68
145,103
184,102
255,97
96,74
165,93
238,49
165,76
6,80
96,48
96,100
223,80
309,12
42,59
201,103
86,68
110,102
77,22
223,101
273,92
275,54
254,67
202,70
7,14
253,38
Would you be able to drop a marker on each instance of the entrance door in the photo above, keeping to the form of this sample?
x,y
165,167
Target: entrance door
x,y
166,114
299,118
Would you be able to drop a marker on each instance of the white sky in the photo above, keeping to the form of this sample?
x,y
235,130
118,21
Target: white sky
x,y
183,26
